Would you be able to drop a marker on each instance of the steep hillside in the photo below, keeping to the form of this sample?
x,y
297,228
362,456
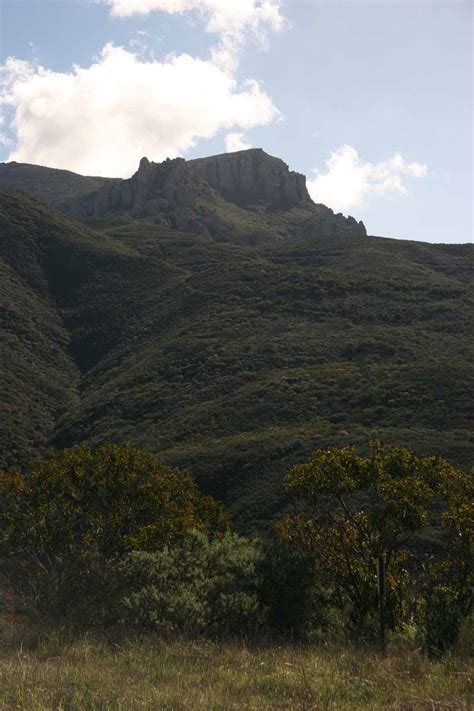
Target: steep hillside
x,y
59,315
232,360
258,355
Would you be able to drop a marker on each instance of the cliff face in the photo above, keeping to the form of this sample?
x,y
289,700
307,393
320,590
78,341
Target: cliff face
x,y
246,197
156,190
252,176
244,178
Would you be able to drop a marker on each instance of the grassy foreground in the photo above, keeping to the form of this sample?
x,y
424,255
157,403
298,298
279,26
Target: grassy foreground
x,y
152,674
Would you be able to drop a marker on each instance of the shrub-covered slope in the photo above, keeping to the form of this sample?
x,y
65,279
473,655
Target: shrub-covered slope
x,y
51,185
59,314
232,360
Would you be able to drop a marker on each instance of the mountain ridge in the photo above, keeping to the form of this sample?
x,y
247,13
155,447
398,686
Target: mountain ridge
x,y
242,197
234,360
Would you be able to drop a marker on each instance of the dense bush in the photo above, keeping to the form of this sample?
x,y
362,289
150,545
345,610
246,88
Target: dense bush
x,y
365,518
114,537
68,519
289,590
227,586
198,586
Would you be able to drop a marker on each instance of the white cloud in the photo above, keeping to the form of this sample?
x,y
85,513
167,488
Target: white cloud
x,y
221,16
236,142
103,118
139,43
234,21
349,182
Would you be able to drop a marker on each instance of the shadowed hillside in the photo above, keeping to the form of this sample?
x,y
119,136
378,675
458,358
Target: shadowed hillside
x,y
51,185
234,360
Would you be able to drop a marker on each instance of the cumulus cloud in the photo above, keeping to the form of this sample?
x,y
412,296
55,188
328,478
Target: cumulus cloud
x,y
234,21
236,142
101,119
348,182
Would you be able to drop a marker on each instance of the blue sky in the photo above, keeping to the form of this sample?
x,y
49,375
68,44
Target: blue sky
x,y
371,100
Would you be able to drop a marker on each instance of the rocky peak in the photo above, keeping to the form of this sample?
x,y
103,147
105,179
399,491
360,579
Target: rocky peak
x,y
152,191
195,196
252,176
144,165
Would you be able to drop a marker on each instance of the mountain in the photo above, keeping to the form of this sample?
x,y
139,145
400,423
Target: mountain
x,y
233,358
245,197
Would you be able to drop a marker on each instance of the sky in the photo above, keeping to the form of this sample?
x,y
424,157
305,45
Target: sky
x,y
370,99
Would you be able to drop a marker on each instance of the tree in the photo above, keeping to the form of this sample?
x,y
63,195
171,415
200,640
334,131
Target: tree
x,y
81,505
365,514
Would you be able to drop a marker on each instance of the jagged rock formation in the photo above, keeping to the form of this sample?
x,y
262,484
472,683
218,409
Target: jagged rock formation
x,y
252,176
166,192
244,178
246,197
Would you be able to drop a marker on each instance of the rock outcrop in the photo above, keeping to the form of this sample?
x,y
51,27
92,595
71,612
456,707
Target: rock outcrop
x,y
162,191
246,197
244,178
252,176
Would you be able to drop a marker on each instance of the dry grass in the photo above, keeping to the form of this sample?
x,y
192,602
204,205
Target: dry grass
x,y
46,673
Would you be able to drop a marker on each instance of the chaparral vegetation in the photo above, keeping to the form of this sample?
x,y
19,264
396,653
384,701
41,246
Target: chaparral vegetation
x,y
115,561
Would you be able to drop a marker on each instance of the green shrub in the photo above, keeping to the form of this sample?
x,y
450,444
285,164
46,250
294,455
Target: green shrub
x,y
443,621
288,589
445,611
465,641
199,586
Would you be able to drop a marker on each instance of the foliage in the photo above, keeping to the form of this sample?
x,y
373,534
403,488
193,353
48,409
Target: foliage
x,y
196,587
295,606
366,513
234,361
450,594
68,515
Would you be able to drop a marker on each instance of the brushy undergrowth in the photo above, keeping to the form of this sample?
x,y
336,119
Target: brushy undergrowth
x,y
49,671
